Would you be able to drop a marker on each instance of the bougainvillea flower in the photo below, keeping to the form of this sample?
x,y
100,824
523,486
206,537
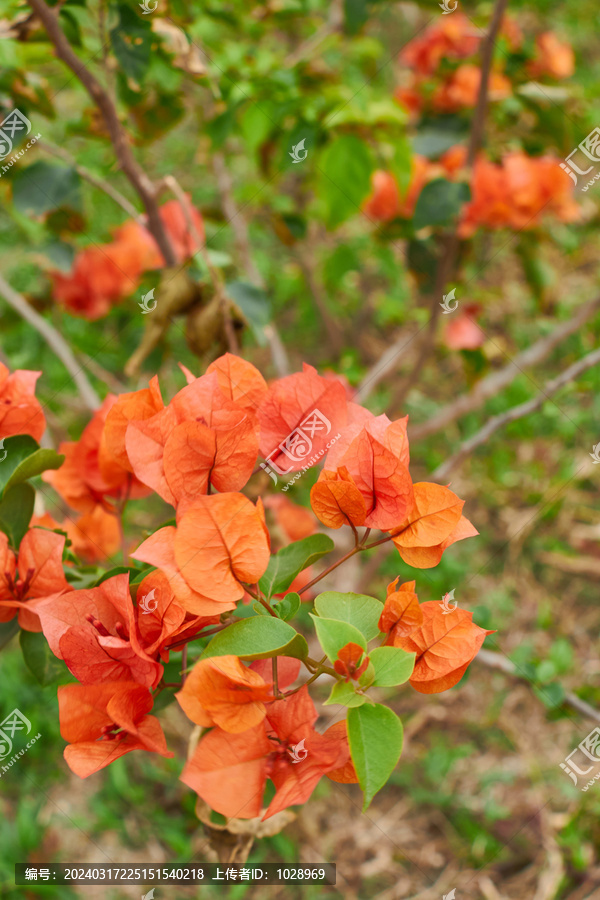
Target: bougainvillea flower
x,y
95,536
376,457
450,38
222,691
202,437
134,406
103,275
516,193
239,381
384,202
102,722
337,501
461,332
444,644
229,771
348,662
292,521
346,774
402,611
410,98
299,416
553,57
20,411
36,573
433,516
93,630
461,90
85,479
220,541
427,557
161,619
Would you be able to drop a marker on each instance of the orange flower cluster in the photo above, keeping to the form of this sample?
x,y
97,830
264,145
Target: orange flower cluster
x,y
198,452
20,411
514,193
104,275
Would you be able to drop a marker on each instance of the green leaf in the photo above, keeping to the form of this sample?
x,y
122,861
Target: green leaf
x,y
291,560
438,135
118,570
375,736
345,178
8,631
38,462
333,635
258,638
40,659
256,124
344,694
131,42
259,609
254,305
16,510
392,665
358,609
355,14
45,186
288,606
16,449
440,202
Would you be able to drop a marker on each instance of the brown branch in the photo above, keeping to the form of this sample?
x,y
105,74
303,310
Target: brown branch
x,y
487,55
503,664
119,137
491,385
242,242
55,341
516,412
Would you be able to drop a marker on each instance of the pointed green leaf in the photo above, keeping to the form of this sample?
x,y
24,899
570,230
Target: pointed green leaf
x,y
440,202
38,462
375,736
40,659
16,510
334,635
13,451
392,665
291,560
345,178
358,609
259,637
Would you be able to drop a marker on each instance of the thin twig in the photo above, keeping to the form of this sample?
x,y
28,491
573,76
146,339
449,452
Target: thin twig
x,y
308,47
55,341
451,243
516,412
98,182
242,242
491,385
119,137
503,664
